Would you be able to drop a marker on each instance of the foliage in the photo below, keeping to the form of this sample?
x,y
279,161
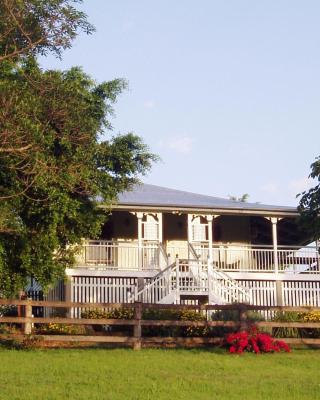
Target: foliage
x,y
38,27
6,328
312,316
8,311
232,315
154,314
30,343
291,316
56,164
192,331
60,329
286,316
309,205
242,199
254,341
116,313
161,314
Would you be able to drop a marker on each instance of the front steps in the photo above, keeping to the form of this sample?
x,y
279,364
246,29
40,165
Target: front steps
x,y
192,280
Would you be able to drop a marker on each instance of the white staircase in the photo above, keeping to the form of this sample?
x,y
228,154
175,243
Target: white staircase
x,y
192,279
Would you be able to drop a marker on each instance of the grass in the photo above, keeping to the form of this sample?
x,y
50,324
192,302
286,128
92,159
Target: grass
x,y
157,374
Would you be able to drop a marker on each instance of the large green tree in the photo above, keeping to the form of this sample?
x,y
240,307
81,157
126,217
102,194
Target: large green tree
x,y
38,27
56,164
310,202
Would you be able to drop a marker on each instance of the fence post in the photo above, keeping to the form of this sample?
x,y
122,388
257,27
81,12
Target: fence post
x,y
243,317
28,314
137,326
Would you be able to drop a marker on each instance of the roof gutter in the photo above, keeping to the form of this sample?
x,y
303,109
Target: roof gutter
x,y
206,210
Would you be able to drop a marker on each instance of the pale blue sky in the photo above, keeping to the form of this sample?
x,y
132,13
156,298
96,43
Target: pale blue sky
x,y
226,92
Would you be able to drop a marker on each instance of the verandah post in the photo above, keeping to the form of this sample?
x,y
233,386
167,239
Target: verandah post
x,y
274,222
137,327
140,241
177,279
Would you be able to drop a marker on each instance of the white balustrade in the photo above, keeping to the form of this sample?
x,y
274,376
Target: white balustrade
x,y
121,255
235,258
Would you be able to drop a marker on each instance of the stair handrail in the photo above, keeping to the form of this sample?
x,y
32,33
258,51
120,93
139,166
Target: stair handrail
x,y
154,280
223,275
193,252
164,254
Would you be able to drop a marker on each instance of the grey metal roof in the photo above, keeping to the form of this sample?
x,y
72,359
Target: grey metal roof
x,y
151,195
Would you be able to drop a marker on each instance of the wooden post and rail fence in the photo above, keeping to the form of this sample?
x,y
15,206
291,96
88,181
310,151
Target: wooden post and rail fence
x,y
26,322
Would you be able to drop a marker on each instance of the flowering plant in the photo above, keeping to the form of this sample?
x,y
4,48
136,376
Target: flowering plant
x,y
254,341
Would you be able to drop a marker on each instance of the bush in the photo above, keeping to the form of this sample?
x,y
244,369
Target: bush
x,y
190,315
175,315
161,314
312,316
8,311
116,313
287,316
254,341
232,315
152,314
60,329
30,343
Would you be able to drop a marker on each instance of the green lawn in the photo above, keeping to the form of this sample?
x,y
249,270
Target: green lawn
x,y
157,374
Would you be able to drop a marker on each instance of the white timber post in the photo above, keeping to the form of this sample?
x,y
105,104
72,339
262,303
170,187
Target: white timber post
x,y
274,222
160,239
190,234
210,237
140,241
160,230
177,281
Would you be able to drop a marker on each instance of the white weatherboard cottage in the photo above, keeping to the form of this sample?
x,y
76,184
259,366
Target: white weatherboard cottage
x,y
161,245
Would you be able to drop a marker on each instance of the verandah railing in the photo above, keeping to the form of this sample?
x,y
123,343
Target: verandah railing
x,y
122,255
258,258
27,321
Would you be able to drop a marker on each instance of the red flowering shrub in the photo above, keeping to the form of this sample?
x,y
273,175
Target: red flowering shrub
x,y
255,342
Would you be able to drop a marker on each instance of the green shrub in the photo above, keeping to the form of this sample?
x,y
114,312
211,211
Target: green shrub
x,y
8,311
60,329
287,316
312,316
190,315
116,313
30,342
174,315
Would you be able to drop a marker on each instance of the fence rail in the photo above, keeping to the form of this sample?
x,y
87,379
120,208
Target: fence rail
x,y
27,320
